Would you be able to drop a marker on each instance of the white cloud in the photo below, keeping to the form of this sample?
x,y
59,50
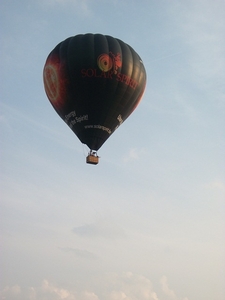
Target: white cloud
x,y
58,292
32,294
12,292
135,154
169,293
216,185
166,289
88,296
46,290
129,286
118,296
124,286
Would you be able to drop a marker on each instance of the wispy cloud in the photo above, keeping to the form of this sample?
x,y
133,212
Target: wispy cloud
x,y
81,253
10,116
81,7
201,28
198,66
102,229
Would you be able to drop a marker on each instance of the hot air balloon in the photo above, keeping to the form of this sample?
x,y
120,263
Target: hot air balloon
x,y
94,82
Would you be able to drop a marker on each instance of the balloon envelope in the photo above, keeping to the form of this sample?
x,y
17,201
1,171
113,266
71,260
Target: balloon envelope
x,y
94,82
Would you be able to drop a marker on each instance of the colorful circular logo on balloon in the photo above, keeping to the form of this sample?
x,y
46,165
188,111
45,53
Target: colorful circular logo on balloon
x,y
55,82
51,82
105,62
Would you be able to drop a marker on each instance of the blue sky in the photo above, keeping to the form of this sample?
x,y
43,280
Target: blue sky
x,y
147,223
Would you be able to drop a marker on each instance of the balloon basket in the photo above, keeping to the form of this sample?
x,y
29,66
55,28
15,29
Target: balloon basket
x,y
92,159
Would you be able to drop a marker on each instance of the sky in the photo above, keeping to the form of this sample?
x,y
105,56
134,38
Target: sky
x,y
146,223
